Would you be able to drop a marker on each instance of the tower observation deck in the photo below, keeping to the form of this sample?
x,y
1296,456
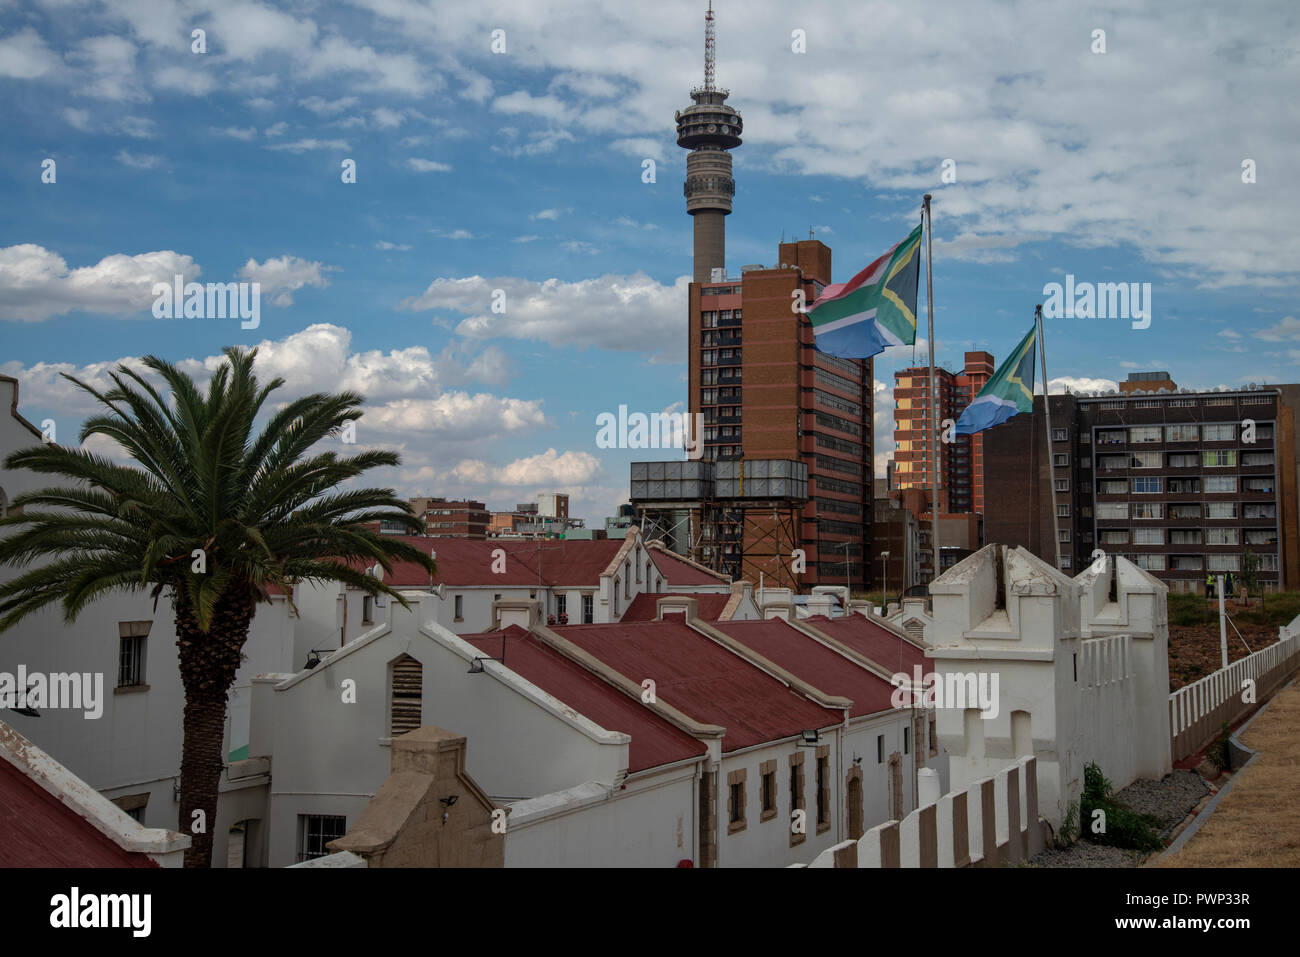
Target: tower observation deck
x,y
708,129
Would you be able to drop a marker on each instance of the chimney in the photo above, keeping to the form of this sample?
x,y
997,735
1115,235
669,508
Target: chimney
x,y
677,605
524,612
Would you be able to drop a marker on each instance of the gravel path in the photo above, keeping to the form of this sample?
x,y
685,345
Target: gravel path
x,y
1169,800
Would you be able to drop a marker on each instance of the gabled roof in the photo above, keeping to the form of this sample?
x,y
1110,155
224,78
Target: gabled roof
x,y
679,571
49,817
466,562
645,605
703,680
13,409
804,656
469,562
877,644
39,831
655,741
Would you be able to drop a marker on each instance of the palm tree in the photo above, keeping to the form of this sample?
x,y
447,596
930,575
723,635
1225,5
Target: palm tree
x,y
212,515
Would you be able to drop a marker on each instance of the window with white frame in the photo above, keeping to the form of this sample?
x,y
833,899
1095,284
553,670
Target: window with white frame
x,y
1219,458
1223,563
1220,510
1112,510
1220,483
1182,433
1222,536
1144,433
1148,536
1224,432
1148,510
1144,460
1148,485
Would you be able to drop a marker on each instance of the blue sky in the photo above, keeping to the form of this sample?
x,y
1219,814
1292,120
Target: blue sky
x,y
522,171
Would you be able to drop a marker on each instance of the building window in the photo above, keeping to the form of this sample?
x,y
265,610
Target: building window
x,y
1060,460
367,610
1150,485
1063,536
1065,561
1219,433
1063,511
1148,433
1062,485
736,800
588,609
406,695
1112,510
906,743
1220,483
823,789
1144,460
767,790
1153,536
458,606
796,795
1219,458
1182,433
1148,510
317,830
561,607
132,637
1060,435
880,749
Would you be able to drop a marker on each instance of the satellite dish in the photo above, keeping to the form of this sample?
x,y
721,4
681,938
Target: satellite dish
x,y
376,572
1252,387
441,590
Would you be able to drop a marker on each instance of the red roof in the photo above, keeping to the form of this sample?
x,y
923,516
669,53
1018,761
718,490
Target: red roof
x,y
879,645
827,670
655,741
676,571
645,605
40,831
702,679
464,562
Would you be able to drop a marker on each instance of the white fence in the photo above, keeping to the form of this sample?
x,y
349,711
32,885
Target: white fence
x,y
992,822
1198,711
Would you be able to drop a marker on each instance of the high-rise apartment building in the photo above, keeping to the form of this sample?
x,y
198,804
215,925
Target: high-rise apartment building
x,y
961,462
1184,484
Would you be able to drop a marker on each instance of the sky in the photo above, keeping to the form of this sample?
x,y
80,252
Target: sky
x,y
503,145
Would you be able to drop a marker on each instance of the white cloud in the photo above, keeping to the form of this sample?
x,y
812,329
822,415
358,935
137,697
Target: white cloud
x,y
387,119
304,145
24,56
551,214
623,313
323,107
385,244
1286,328
275,129
283,276
427,166
549,468
185,79
1079,384
36,283
455,234
138,160
237,133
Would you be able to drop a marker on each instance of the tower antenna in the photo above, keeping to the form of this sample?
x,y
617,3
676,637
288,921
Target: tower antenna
x,y
709,45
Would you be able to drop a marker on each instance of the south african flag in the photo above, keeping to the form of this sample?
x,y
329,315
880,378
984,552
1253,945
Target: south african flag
x,y
874,309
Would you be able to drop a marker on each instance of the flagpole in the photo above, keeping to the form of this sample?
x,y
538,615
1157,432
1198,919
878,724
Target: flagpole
x,y
932,440
1047,424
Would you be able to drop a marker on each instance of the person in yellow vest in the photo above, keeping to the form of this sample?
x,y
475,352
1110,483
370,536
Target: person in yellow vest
x,y
1209,586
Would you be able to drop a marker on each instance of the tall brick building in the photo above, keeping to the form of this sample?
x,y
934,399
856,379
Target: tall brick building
x,y
767,393
961,462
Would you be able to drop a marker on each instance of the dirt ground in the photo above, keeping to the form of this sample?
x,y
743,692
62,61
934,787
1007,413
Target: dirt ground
x,y
1256,824
1194,650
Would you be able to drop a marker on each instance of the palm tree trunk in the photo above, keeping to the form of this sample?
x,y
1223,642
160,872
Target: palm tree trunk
x,y
208,662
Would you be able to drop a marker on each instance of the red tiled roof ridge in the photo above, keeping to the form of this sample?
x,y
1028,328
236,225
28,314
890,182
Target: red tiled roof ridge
x,y
789,678
659,546
620,681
